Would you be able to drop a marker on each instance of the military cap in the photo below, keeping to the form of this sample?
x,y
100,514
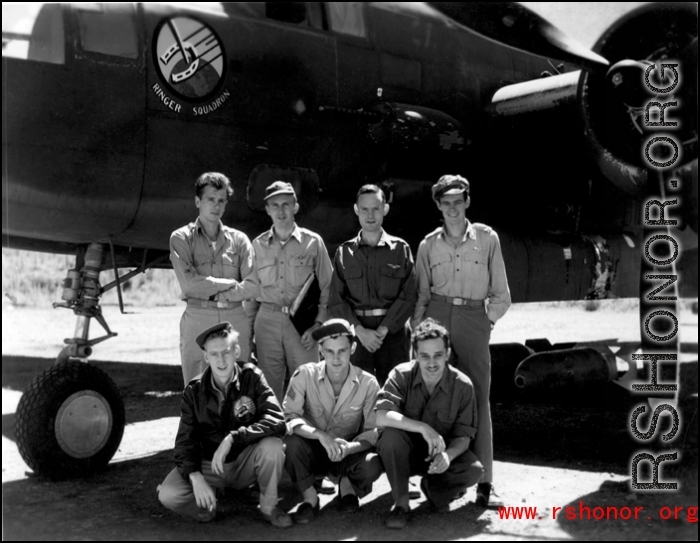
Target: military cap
x,y
202,338
333,327
277,188
450,184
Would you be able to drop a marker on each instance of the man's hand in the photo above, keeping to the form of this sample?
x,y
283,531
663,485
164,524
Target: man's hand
x,y
217,462
203,493
306,340
436,445
333,449
346,448
439,464
370,339
382,331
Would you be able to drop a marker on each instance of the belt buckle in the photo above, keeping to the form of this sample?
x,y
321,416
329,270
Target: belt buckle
x,y
221,305
285,310
457,301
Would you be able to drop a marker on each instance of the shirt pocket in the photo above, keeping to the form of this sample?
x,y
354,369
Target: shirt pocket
x,y
445,416
267,271
315,413
441,270
350,419
353,278
475,267
300,267
231,263
390,279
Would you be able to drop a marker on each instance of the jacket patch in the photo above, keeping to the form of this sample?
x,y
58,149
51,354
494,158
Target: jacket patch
x,y
244,409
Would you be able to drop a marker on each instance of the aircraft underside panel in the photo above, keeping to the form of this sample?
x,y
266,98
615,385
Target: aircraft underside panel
x,y
68,157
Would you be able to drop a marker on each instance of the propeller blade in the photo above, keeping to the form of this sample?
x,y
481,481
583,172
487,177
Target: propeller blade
x,y
517,26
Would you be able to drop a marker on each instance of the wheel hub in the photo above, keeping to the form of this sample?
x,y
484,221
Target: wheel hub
x,y
83,424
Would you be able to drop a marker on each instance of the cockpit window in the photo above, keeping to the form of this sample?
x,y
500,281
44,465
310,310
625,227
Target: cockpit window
x,y
347,18
109,29
33,31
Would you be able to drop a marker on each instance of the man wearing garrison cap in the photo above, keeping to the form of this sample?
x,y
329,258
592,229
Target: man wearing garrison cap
x,y
462,284
329,409
285,257
229,434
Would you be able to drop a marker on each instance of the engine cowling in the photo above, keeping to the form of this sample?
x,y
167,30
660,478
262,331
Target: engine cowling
x,y
614,118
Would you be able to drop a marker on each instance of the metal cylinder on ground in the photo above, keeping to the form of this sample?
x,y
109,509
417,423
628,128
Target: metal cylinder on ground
x,y
566,368
505,358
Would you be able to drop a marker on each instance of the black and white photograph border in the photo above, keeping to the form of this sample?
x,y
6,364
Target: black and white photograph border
x,y
602,446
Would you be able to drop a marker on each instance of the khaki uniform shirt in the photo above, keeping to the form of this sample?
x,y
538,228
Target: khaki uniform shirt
x,y
205,270
310,400
282,268
474,270
450,411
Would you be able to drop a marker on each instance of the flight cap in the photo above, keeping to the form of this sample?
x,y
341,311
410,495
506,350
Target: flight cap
x,y
448,185
277,188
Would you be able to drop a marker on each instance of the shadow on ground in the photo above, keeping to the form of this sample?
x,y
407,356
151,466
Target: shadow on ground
x,y
121,504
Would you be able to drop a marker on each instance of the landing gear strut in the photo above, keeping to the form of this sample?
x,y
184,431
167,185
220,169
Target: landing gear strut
x,y
70,420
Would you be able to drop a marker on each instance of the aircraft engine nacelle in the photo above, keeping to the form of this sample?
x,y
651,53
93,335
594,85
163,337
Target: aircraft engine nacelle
x,y
405,127
613,106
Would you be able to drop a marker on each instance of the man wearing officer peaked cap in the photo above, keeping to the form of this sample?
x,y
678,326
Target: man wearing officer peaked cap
x,y
462,284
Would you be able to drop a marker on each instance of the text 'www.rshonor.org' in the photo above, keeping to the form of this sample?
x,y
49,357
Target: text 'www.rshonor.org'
x,y
666,226
609,512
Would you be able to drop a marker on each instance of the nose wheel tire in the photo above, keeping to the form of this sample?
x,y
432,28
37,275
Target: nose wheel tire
x,y
70,420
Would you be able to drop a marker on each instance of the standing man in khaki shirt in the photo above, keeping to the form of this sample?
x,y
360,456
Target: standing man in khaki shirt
x,y
462,284
213,264
285,256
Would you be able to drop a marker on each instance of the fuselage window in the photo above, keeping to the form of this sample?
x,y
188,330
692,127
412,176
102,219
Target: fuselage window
x,y
109,29
347,18
33,31
309,14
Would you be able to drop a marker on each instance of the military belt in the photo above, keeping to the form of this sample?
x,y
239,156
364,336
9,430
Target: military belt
x,y
370,312
274,307
457,301
212,304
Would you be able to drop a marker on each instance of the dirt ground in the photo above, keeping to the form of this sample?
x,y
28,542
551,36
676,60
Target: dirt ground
x,y
571,450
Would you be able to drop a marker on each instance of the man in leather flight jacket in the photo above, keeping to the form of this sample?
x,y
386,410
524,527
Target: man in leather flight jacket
x,y
229,433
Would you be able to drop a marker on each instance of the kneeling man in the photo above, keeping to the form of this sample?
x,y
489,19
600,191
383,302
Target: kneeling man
x,y
428,411
227,436
329,409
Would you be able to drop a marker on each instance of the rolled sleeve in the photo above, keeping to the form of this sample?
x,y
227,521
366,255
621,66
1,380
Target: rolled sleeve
x,y
465,423
393,396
